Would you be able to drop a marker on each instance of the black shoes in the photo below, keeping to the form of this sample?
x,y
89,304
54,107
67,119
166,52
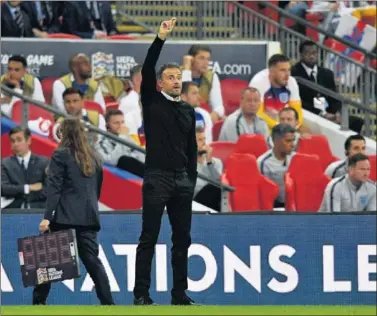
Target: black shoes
x,y
144,300
182,300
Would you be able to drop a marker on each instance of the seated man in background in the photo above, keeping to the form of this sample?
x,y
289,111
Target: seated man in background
x,y
206,193
74,105
18,79
118,154
278,89
354,144
313,101
289,116
196,68
274,163
353,192
190,94
246,119
80,79
23,175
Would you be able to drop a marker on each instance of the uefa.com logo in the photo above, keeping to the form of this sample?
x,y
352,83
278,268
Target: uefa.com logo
x,y
230,69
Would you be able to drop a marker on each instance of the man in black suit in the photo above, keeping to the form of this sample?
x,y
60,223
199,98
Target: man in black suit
x,y
88,19
23,175
308,68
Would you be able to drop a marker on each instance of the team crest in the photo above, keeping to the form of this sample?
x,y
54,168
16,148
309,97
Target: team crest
x,y
284,97
364,200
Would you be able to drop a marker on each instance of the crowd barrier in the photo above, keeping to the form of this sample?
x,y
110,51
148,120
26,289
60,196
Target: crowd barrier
x,y
277,259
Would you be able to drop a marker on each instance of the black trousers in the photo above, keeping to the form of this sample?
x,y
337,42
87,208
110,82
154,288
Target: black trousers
x,y
131,165
175,191
88,252
209,196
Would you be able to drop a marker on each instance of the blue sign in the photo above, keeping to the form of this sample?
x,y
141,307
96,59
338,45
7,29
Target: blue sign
x,y
234,259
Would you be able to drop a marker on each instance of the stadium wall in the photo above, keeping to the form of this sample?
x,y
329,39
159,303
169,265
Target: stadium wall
x,y
277,259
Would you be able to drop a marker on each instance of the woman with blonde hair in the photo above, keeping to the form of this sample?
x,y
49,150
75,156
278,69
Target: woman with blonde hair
x,y
74,183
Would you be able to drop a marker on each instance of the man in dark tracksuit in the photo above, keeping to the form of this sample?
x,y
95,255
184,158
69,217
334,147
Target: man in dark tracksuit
x,y
170,170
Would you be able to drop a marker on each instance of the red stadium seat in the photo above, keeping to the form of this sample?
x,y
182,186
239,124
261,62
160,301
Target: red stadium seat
x,y
35,113
94,106
305,184
112,106
373,168
253,191
253,144
222,150
216,129
231,92
63,35
315,19
317,145
47,85
120,37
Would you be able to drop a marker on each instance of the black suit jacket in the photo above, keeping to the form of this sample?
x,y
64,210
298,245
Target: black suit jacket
x,y
77,19
13,180
9,27
325,78
72,198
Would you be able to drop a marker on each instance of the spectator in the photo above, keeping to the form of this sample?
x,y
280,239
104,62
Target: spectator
x,y
190,94
353,192
206,193
23,175
79,78
130,102
74,105
45,14
196,68
16,22
313,101
355,144
289,116
18,79
88,19
245,120
274,163
118,154
277,89
297,8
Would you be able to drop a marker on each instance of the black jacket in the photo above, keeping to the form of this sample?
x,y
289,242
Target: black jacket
x,y
326,79
9,26
72,198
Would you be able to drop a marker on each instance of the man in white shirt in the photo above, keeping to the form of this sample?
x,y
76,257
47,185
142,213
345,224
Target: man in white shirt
x,y
354,144
245,120
130,102
80,79
22,82
190,94
196,68
212,167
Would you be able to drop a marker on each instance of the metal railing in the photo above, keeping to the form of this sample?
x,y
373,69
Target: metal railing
x,y
25,119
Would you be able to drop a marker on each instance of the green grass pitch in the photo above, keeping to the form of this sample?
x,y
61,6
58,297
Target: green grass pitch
x,y
187,310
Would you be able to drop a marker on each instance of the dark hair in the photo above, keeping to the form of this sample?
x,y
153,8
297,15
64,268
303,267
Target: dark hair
x,y
195,49
306,44
111,113
18,129
199,129
186,86
135,70
356,158
74,137
19,59
69,91
287,109
251,89
280,130
348,142
277,58
166,66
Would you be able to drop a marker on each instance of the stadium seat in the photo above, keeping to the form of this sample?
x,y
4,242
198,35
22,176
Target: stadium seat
x,y
305,184
253,191
120,37
317,145
222,150
63,35
315,19
35,113
253,144
373,169
231,92
216,129
112,106
47,85
94,106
